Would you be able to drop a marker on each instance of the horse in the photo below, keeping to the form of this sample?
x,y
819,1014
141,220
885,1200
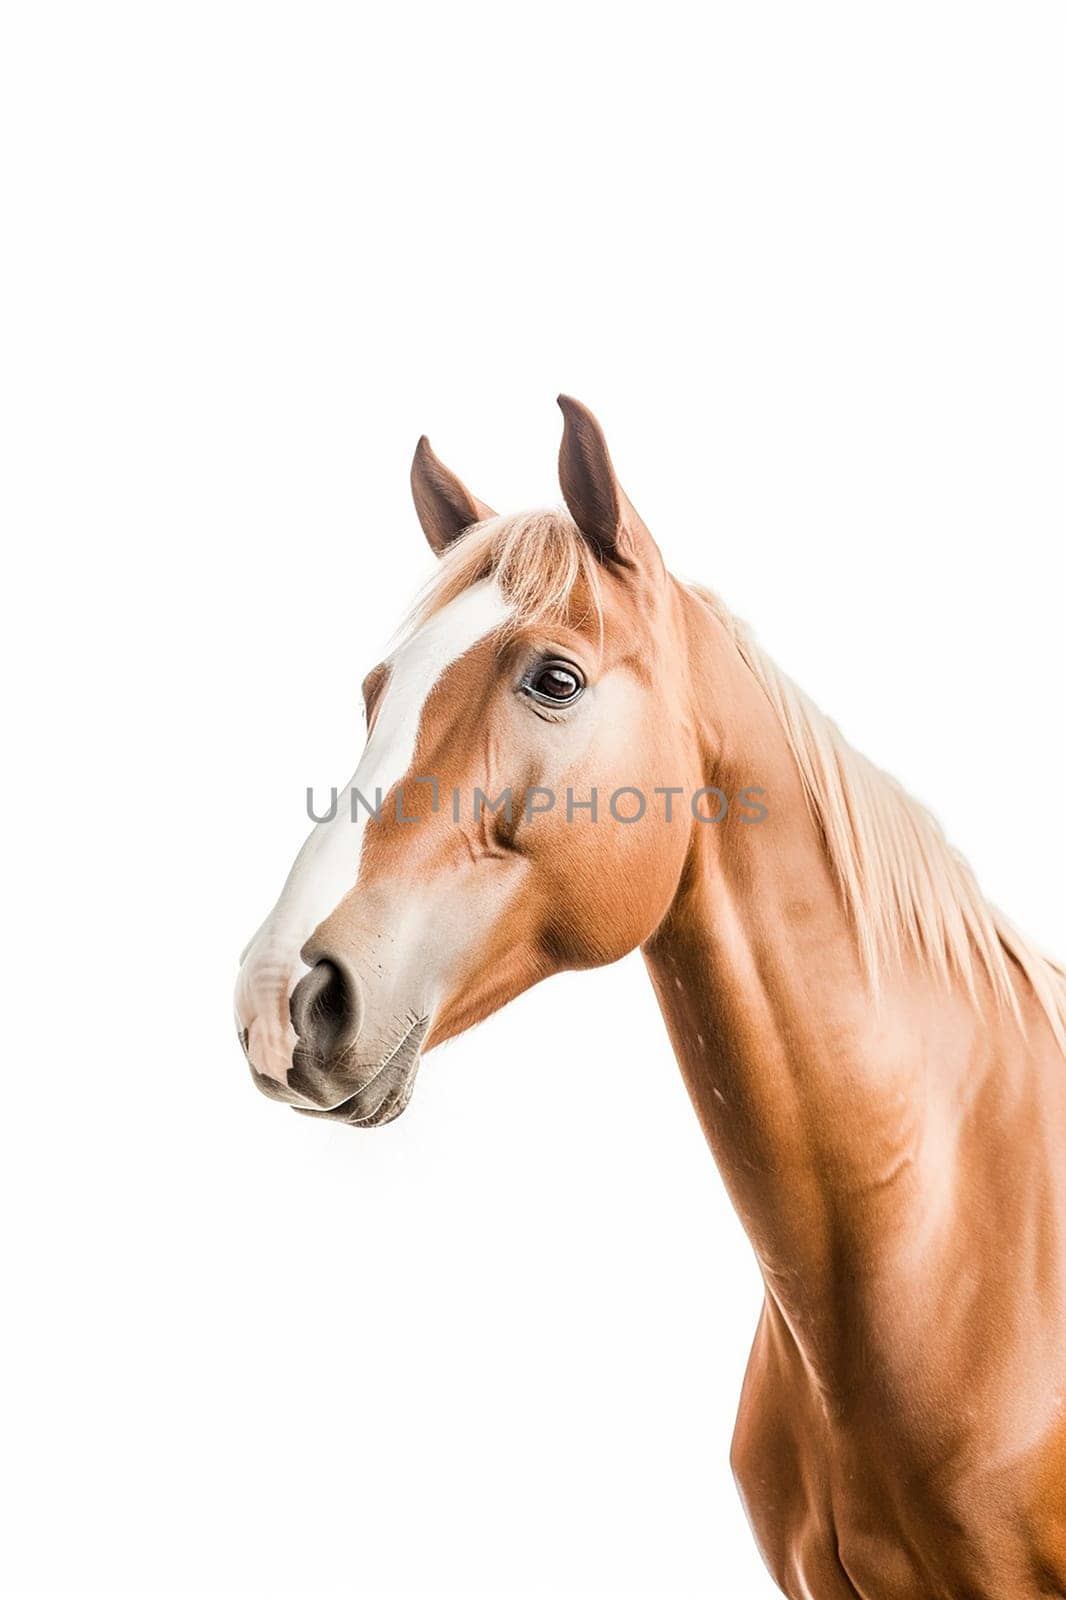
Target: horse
x,y
875,1055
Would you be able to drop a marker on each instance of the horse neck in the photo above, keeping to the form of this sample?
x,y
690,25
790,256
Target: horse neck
x,y
811,1086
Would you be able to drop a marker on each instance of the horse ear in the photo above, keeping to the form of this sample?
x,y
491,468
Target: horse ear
x,y
595,498
445,506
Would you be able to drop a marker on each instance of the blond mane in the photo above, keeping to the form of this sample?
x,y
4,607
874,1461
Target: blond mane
x,y
905,889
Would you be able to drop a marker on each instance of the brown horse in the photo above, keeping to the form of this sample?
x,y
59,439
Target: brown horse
x,y
875,1055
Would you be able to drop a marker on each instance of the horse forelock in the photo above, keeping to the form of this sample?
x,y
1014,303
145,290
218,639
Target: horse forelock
x,y
545,569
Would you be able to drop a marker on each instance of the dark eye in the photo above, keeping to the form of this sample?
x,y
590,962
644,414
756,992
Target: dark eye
x,y
554,683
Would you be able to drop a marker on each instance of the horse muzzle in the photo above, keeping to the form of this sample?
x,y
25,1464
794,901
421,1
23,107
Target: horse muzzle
x,y
381,1090
324,1056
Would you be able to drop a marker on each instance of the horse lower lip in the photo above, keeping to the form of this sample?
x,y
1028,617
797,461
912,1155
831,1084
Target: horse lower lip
x,y
391,1079
342,1110
347,1111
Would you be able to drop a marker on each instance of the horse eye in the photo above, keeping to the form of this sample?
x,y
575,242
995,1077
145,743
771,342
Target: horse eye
x,y
554,683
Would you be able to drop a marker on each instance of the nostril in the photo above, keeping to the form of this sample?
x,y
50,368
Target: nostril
x,y
325,1009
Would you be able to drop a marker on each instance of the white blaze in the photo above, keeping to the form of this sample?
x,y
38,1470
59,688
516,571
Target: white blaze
x,y
327,866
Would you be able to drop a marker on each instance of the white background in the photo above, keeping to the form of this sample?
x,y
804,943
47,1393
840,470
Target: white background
x,y
806,262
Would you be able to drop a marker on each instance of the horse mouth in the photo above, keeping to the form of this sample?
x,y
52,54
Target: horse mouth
x,y
387,1092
